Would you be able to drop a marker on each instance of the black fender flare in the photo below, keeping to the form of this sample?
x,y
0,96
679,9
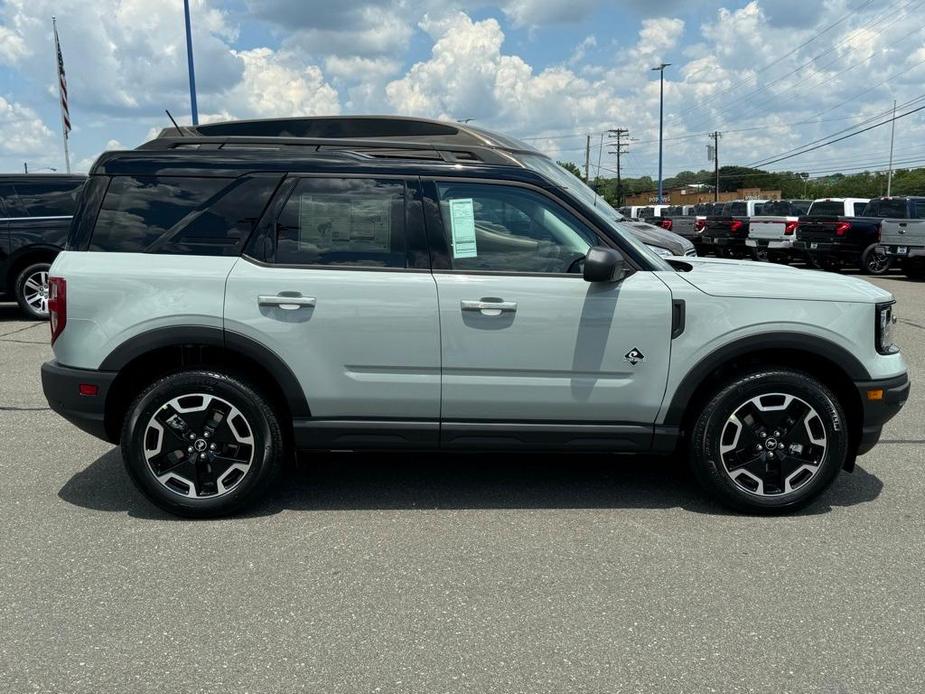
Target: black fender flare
x,y
797,342
179,335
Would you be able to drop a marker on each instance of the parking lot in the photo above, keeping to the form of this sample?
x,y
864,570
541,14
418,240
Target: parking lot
x,y
432,573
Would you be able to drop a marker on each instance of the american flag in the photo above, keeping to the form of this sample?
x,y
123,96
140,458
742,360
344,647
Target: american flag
x,y
62,85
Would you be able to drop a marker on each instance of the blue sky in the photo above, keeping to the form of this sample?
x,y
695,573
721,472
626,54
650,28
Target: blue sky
x,y
770,74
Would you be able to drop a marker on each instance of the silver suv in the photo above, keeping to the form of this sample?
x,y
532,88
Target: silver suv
x,y
235,292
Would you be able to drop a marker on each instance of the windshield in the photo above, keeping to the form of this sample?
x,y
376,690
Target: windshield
x,y
612,219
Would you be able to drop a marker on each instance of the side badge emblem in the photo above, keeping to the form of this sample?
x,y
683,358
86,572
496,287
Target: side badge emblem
x,y
634,356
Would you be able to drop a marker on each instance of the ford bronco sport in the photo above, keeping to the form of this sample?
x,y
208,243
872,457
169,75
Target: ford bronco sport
x,y
234,292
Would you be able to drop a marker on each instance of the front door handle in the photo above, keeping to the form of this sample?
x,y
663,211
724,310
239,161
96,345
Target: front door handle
x,y
489,306
288,303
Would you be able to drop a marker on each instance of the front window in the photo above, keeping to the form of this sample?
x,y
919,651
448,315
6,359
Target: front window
x,y
612,220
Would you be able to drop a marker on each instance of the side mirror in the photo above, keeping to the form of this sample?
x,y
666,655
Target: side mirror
x,y
603,265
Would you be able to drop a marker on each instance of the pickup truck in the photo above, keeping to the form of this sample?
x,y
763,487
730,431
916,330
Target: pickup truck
x,y
771,234
680,220
902,232
726,232
839,231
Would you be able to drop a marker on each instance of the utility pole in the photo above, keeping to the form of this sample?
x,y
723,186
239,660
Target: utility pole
x,y
189,61
587,158
25,166
716,135
889,176
619,133
661,122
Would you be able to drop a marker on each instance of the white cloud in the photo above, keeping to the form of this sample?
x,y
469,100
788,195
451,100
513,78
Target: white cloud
x,y
22,132
277,85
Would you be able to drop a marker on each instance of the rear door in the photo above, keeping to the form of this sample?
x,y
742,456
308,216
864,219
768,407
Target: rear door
x,y
532,354
47,207
344,295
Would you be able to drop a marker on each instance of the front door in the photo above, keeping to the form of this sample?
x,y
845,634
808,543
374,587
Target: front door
x,y
531,352
343,302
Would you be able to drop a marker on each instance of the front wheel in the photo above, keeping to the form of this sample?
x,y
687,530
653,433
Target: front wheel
x,y
760,254
31,290
201,444
769,441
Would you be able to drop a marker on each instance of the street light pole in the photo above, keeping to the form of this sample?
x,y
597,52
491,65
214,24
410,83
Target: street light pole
x,y
661,122
189,59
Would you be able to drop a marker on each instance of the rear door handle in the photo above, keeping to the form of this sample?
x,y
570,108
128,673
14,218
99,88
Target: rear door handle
x,y
489,307
288,303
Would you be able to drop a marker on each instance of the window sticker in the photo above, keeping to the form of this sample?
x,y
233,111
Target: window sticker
x,y
462,226
331,221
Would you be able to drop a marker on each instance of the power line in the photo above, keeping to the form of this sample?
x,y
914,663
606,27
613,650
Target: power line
x,y
844,137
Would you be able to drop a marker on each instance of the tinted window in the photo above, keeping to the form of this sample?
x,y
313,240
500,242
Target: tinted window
x,y
507,229
895,209
828,208
735,209
645,212
343,221
759,208
859,208
776,208
48,198
799,207
182,215
6,201
919,209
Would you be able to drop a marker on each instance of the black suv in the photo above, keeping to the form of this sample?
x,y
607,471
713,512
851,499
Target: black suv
x,y
35,213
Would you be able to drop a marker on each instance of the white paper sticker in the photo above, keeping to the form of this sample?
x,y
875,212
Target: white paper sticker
x,y
462,225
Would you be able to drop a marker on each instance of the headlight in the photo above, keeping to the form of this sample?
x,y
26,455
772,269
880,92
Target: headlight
x,y
886,319
664,252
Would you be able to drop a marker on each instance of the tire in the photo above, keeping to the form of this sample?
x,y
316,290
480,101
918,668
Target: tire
x,y
31,290
243,451
760,255
732,469
914,271
874,262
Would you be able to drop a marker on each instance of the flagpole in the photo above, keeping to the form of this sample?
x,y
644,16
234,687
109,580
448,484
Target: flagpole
x,y
67,156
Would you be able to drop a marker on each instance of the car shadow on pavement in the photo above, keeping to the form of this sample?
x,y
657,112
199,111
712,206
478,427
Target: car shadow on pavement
x,y
354,481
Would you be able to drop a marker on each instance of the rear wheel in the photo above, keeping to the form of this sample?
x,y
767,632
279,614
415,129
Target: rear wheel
x,y
201,444
769,441
31,290
760,254
874,261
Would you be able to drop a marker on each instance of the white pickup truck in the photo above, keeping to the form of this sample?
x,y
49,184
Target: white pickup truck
x,y
902,232
771,234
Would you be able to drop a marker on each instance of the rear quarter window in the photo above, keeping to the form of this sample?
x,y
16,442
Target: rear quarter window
x,y
47,198
180,215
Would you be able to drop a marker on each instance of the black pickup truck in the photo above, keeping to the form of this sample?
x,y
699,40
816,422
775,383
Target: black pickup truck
x,y
843,231
35,214
725,233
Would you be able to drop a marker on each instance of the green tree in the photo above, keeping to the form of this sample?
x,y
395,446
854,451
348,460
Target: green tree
x,y
569,166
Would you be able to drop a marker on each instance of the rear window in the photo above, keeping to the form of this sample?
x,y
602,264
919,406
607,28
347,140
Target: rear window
x,y
180,215
43,198
896,209
735,209
776,208
645,212
827,208
859,208
799,207
919,209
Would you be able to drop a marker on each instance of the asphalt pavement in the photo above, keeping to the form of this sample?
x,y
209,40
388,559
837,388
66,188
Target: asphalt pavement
x,y
436,573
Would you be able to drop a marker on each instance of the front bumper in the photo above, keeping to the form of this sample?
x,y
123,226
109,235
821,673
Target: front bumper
x,y
61,385
879,409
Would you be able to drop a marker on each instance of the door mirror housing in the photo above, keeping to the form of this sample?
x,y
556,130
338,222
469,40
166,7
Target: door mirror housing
x,y
603,265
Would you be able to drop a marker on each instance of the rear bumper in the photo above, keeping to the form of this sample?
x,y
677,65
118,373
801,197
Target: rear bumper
x,y
877,412
61,385
827,248
892,250
722,241
771,244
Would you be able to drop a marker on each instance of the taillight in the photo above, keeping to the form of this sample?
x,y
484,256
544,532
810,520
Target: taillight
x,y
700,224
789,228
57,306
842,228
734,226
665,224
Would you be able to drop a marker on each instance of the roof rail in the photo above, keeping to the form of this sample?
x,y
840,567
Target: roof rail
x,y
374,131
